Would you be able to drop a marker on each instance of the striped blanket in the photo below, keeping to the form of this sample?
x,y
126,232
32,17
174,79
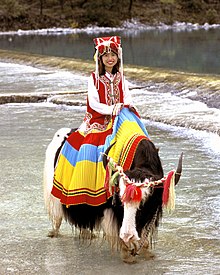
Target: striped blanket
x,y
79,177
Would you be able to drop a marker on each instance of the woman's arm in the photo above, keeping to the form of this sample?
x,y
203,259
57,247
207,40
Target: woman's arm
x,y
127,94
94,101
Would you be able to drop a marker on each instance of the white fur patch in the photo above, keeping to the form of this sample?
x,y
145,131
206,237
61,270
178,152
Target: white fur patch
x,y
52,204
128,229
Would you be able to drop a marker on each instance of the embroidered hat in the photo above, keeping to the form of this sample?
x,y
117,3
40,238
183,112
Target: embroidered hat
x,y
107,44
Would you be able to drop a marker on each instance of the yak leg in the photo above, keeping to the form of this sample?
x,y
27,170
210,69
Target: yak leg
x,y
146,252
56,226
52,204
56,215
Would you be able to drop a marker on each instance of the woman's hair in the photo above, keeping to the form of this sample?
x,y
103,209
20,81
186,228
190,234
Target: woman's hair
x,y
115,69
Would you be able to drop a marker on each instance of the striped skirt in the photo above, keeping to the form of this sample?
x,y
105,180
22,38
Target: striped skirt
x,y
79,176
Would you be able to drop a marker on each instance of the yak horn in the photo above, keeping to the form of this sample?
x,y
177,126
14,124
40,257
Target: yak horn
x,y
104,159
179,169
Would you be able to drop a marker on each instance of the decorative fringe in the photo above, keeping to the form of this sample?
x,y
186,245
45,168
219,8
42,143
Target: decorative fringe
x,y
169,192
111,180
133,190
96,58
132,193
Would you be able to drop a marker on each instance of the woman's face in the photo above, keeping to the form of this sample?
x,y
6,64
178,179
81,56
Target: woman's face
x,y
109,60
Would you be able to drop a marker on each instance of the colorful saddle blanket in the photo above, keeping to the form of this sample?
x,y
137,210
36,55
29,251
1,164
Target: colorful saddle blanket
x,y
79,177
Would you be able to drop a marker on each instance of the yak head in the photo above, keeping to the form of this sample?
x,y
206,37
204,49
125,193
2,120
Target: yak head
x,y
147,208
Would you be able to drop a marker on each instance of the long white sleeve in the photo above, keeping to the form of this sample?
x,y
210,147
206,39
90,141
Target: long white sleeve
x,y
94,101
127,94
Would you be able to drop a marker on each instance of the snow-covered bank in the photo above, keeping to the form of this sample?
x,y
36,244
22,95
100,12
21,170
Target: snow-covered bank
x,y
128,26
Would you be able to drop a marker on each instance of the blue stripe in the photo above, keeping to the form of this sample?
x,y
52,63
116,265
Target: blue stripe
x,y
70,153
87,152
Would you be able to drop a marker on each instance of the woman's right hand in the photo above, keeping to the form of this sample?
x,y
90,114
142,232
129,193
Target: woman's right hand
x,y
117,109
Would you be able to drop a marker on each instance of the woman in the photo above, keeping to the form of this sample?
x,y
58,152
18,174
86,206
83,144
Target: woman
x,y
79,175
107,90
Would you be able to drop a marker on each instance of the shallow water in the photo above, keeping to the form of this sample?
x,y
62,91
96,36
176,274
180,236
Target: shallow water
x,y
185,49
188,240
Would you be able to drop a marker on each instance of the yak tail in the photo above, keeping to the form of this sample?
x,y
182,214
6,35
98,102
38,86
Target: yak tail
x,y
52,204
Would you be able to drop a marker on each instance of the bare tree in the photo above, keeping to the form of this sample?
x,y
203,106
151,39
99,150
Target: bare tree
x,y
130,5
62,2
71,4
130,8
42,2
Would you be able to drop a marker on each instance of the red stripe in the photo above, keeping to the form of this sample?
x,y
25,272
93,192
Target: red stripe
x,y
132,151
60,186
75,139
80,199
96,139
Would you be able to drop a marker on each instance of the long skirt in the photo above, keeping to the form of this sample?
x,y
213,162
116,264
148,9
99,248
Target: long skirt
x,y
79,176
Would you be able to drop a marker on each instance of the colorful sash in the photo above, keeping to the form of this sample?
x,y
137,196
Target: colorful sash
x,y
79,177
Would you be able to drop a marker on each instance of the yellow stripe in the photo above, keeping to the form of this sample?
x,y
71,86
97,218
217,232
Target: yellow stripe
x,y
83,174
124,133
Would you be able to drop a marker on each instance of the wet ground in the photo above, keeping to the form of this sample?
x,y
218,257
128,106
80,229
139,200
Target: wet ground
x,y
188,240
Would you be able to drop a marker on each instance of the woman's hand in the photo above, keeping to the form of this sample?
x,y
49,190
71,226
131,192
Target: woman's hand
x,y
117,109
132,108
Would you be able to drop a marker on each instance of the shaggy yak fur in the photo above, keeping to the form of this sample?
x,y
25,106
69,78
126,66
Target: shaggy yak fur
x,y
109,216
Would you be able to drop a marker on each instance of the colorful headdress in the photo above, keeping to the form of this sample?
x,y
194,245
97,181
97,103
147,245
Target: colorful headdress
x,y
106,45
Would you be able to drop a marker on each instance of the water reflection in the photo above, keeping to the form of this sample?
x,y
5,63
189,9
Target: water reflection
x,y
196,51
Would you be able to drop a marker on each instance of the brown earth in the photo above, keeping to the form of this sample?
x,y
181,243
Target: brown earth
x,y
19,14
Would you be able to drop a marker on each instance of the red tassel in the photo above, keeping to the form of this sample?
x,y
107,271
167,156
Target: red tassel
x,y
166,188
132,193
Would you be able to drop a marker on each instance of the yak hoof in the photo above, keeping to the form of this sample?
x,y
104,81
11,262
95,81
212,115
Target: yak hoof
x,y
127,257
146,252
127,254
149,255
53,234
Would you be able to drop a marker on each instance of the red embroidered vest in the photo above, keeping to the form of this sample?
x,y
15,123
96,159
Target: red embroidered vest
x,y
107,95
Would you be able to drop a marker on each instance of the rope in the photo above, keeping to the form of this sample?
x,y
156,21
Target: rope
x,y
113,167
132,191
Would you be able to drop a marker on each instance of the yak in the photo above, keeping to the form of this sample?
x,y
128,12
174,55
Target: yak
x,y
128,224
